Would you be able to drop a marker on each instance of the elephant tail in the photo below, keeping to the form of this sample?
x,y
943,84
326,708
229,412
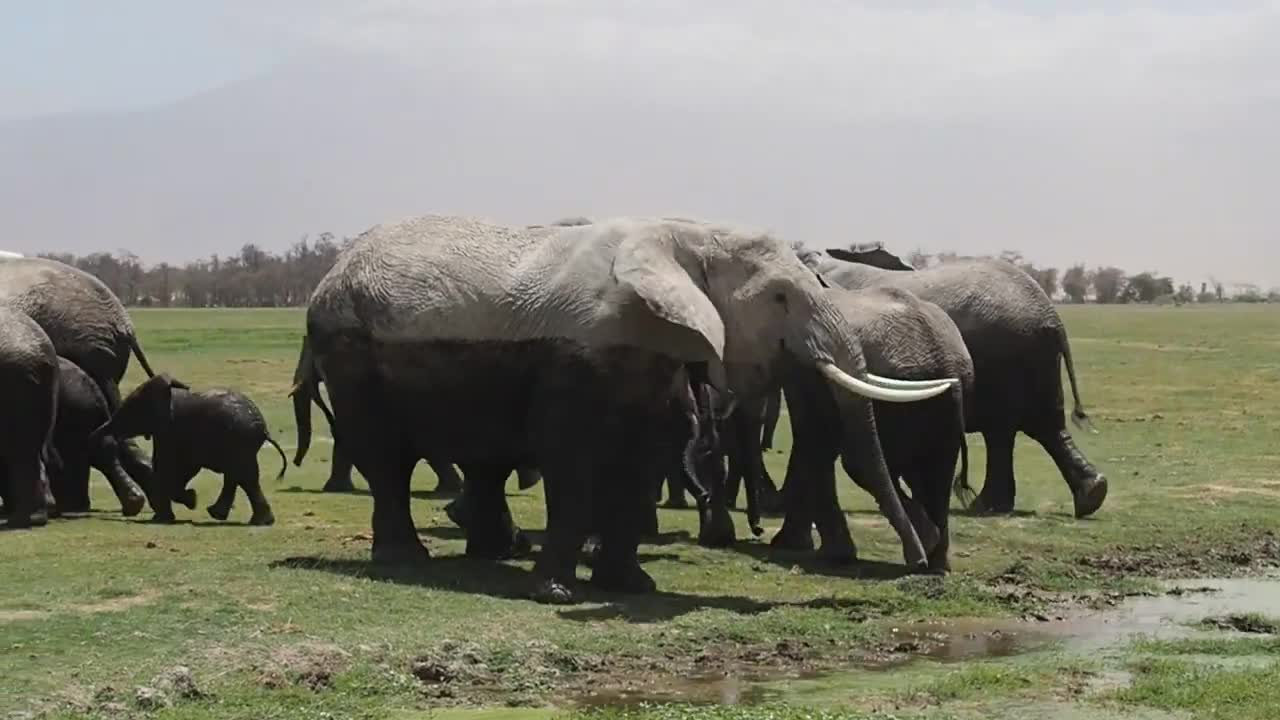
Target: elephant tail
x,y
142,357
1078,416
284,460
960,487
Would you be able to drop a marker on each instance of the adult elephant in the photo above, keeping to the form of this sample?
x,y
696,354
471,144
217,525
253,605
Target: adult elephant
x,y
1018,344
306,390
82,317
29,386
557,347
905,337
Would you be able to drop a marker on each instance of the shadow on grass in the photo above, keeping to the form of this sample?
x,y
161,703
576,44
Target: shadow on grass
x,y
505,580
812,564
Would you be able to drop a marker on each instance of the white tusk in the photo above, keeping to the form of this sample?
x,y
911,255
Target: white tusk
x,y
908,384
866,389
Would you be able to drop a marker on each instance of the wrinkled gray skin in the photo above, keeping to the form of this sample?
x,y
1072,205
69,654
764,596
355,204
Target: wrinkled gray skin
x,y
81,410
219,430
306,389
85,321
28,412
902,337
1017,342
493,347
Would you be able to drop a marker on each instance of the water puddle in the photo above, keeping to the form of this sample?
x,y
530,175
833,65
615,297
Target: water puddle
x,y
920,648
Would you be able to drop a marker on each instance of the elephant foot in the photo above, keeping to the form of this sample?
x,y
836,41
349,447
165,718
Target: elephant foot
x,y
623,578
526,479
266,518
717,531
925,529
163,518
402,553
591,550
986,505
838,554
458,513
940,561
187,498
339,485
1089,498
73,508
219,512
650,527
25,521
553,592
792,537
131,505
501,546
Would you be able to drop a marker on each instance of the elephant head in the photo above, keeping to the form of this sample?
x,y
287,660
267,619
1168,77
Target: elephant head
x,y
145,411
743,301
872,254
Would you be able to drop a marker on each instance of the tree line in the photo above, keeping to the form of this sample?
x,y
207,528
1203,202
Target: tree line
x,y
258,278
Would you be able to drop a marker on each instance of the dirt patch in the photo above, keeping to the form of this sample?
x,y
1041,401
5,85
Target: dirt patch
x,y
1210,493
8,616
1245,623
1249,556
311,665
118,604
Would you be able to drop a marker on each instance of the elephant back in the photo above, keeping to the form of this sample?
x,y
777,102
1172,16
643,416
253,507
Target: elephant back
x,y
86,322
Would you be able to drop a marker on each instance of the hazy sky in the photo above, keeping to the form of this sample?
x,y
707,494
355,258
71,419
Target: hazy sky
x,y
1141,133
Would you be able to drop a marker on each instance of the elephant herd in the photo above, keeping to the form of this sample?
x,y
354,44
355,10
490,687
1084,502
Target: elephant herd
x,y
603,359
65,343
606,357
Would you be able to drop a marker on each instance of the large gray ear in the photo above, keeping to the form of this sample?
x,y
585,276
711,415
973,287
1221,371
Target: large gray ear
x,y
681,321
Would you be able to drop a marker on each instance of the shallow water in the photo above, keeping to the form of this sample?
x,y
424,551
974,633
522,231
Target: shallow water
x,y
913,649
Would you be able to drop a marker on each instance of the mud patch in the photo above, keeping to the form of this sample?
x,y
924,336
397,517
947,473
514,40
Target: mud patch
x,y
1251,556
311,665
1245,623
1211,493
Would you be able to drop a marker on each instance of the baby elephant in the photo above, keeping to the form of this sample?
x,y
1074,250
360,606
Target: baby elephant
x,y
221,430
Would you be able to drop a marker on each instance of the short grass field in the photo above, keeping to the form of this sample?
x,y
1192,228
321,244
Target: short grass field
x,y
103,616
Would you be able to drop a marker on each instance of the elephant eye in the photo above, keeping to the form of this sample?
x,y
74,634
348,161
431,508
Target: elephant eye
x,y
780,298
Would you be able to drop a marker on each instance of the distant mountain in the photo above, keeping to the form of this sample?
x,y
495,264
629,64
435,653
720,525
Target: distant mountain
x,y
341,142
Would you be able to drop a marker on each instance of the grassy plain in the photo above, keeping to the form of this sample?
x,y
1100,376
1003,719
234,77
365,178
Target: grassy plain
x,y
291,621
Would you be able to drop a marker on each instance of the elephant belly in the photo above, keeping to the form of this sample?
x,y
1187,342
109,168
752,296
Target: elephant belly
x,y
504,401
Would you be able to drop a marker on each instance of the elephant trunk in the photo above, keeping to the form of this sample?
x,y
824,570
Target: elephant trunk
x,y
301,396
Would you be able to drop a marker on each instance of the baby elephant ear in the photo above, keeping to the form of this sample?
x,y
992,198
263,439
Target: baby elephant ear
x,y
674,316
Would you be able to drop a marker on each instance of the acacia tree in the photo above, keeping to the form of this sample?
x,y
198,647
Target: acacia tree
x,y
1108,284
1075,283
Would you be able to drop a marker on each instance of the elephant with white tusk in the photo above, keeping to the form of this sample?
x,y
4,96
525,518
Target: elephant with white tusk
x,y
496,346
1019,346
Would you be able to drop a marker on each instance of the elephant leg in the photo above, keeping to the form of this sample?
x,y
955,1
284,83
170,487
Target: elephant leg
x,y
28,486
168,478
617,565
221,507
527,477
248,477
676,498
568,501
491,531
447,479
70,487
1088,486
715,524
1000,488
339,472
108,461
837,545
930,486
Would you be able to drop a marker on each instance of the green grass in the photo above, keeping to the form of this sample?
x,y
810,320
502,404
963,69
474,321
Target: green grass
x,y
290,621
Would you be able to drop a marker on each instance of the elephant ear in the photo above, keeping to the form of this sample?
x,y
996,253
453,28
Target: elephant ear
x,y
676,318
874,255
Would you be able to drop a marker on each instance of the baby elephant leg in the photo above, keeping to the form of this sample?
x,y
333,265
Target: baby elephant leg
x,y
221,508
246,477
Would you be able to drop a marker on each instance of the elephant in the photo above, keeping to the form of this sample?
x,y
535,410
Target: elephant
x,y
81,410
493,346
1018,344
219,429
306,389
85,321
901,336
29,386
